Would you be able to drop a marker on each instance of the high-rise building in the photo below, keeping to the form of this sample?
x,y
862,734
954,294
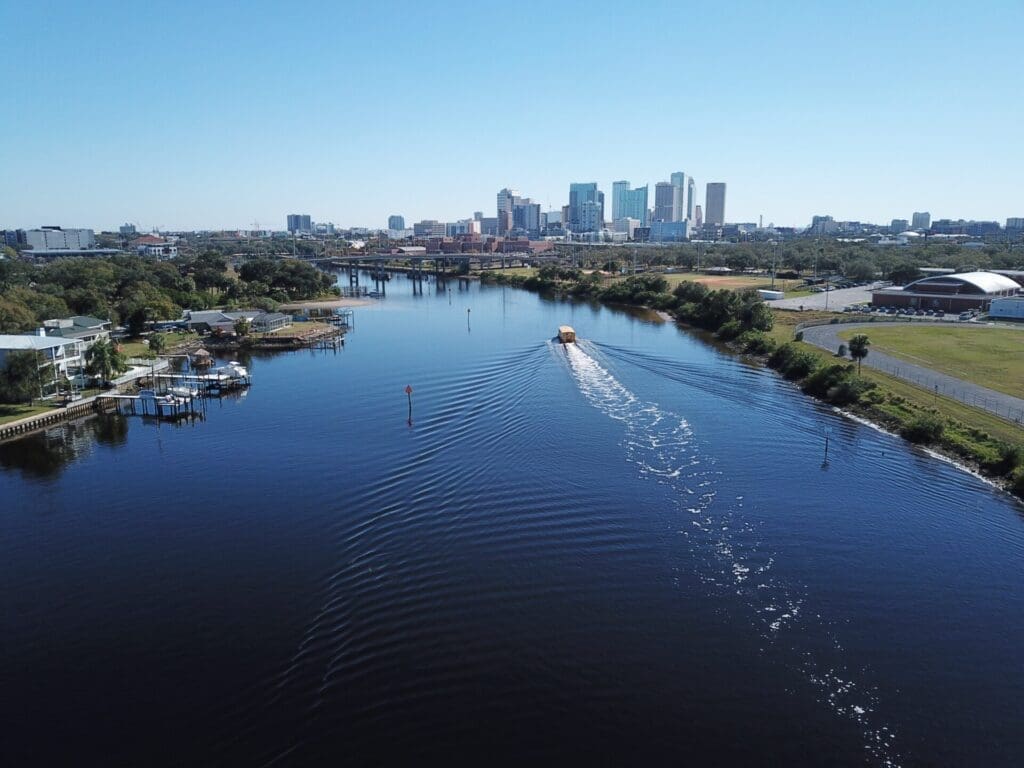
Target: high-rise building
x,y
507,199
591,216
619,191
1015,224
823,225
691,193
579,194
898,226
128,230
300,224
714,203
922,220
665,196
526,217
678,180
428,228
59,239
698,216
629,203
396,222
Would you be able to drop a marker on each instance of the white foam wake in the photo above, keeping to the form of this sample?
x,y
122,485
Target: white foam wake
x,y
662,446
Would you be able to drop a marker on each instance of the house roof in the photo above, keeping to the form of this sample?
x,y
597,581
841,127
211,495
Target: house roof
x,y
984,282
30,341
87,322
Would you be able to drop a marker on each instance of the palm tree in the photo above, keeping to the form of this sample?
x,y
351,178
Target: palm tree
x,y
859,349
103,359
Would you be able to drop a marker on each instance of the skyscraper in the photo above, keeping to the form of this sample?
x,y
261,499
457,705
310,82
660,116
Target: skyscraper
x,y
678,180
299,223
619,191
580,193
629,203
396,222
665,195
691,193
526,216
921,220
714,203
506,203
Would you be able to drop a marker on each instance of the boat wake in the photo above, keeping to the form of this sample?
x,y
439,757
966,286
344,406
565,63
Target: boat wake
x,y
730,558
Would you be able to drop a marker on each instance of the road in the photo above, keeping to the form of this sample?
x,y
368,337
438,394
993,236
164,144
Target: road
x,y
1002,405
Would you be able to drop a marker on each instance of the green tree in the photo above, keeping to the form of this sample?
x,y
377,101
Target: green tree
x,y
241,327
157,343
859,349
861,270
20,378
104,360
15,317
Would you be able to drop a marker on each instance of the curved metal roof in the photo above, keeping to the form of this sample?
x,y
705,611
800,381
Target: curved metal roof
x,y
985,282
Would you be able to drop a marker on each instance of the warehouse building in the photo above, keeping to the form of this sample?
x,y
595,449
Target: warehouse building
x,y
951,293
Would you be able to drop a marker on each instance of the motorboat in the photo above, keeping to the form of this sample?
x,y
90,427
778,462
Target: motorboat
x,y
566,334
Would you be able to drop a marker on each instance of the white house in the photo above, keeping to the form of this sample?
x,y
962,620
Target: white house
x,y
57,357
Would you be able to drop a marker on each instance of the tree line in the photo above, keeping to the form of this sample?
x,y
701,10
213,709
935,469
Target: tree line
x,y
132,290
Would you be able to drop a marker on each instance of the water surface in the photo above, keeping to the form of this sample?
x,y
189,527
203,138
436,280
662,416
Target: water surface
x,y
627,551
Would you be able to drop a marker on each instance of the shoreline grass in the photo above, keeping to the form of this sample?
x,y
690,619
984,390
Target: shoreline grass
x,y
990,357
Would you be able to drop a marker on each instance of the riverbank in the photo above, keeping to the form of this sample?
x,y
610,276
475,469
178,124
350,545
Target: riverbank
x,y
991,446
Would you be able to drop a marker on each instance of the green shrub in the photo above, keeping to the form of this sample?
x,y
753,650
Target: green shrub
x,y
1017,485
793,362
1009,457
755,343
730,330
799,335
801,364
925,428
837,384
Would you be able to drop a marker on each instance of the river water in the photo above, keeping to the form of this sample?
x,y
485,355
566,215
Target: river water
x,y
626,551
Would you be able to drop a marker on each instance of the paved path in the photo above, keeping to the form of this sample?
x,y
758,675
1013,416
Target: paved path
x,y
1005,406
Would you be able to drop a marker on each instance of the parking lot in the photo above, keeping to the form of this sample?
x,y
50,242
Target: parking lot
x,y
835,299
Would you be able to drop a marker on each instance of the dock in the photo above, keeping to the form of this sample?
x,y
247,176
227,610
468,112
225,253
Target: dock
x,y
148,403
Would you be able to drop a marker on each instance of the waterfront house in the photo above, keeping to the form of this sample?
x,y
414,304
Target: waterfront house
x,y
209,320
270,321
56,357
86,329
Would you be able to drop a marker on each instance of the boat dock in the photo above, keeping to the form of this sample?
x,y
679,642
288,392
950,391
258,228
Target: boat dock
x,y
149,403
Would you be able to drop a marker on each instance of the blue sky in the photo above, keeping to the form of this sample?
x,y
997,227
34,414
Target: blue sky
x,y
205,115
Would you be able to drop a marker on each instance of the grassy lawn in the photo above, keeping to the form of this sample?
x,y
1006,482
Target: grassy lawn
x,y
787,320
138,348
510,271
14,412
991,357
901,401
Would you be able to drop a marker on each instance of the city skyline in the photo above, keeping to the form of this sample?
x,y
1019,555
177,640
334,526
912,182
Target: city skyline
x,y
830,112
